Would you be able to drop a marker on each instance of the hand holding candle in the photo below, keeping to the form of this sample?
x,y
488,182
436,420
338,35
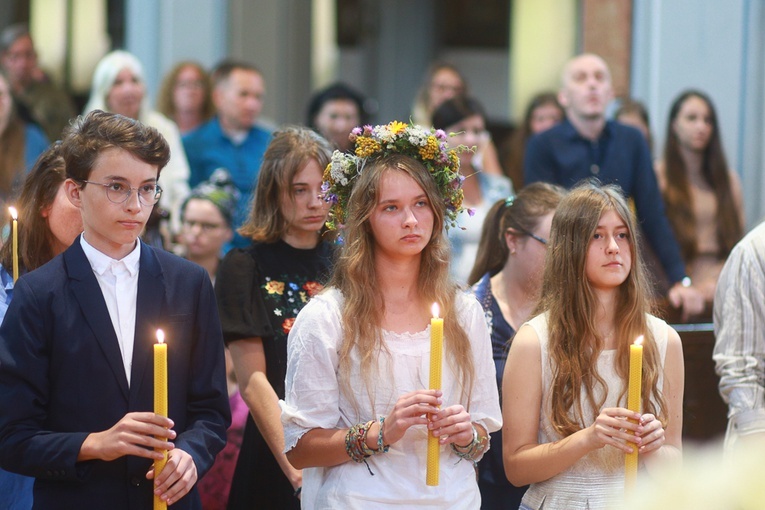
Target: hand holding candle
x,y
633,404
15,236
160,402
436,353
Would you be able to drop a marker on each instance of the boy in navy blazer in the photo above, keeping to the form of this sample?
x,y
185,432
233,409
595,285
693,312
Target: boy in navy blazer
x,y
76,372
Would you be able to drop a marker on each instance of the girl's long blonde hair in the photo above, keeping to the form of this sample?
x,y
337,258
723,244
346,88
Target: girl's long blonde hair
x,y
570,302
355,276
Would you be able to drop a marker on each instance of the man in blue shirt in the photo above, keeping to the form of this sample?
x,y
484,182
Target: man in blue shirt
x,y
231,140
586,145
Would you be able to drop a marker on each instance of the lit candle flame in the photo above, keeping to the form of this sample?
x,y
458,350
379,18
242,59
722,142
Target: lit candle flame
x,y
639,340
434,309
14,214
160,336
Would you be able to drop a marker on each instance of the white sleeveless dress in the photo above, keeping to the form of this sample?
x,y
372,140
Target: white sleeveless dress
x,y
596,481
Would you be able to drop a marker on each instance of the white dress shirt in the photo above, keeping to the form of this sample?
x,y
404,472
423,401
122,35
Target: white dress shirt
x,y
118,280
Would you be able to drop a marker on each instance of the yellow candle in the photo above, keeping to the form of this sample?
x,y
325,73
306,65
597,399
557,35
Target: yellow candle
x,y
633,404
15,235
160,401
436,353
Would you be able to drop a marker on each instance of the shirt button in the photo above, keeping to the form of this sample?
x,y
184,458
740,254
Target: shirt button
x,y
595,169
135,481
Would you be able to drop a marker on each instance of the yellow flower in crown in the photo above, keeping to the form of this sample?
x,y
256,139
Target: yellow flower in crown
x,y
428,146
397,127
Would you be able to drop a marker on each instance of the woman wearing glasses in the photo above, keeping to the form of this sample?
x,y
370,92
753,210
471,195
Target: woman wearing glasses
x,y
206,221
465,118
506,279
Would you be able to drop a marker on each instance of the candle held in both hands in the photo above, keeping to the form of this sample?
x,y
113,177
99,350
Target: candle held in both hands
x,y
633,404
436,355
160,402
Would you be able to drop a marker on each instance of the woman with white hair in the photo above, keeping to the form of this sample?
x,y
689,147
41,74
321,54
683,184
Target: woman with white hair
x,y
118,87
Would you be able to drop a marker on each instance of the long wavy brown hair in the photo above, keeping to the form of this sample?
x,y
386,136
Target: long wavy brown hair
x,y
37,194
715,172
570,302
355,276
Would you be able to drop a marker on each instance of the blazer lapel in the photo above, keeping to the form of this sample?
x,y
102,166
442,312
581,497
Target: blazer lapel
x,y
87,291
151,296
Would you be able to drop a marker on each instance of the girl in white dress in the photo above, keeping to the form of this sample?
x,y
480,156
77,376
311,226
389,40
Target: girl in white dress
x,y
358,354
566,426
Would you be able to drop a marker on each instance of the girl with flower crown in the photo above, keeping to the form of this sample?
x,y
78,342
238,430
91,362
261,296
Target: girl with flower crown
x,y
260,290
356,413
564,390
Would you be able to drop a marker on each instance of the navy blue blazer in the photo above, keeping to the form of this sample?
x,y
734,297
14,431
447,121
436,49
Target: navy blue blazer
x,y
62,377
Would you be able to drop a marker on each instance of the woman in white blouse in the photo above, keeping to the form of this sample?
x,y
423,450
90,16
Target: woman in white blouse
x,y
358,354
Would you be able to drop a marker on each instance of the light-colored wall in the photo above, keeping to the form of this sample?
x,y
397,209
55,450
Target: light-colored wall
x,y
543,38
163,32
716,47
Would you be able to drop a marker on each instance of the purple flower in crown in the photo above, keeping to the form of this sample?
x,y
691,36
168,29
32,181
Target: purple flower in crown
x,y
368,130
471,211
441,135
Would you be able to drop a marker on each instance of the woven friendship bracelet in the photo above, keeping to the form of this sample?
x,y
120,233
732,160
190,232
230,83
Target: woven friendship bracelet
x,y
470,451
356,442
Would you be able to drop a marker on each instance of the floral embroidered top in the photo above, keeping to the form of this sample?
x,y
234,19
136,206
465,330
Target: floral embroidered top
x,y
260,290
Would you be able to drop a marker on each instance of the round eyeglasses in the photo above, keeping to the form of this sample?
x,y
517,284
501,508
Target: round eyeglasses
x,y
119,192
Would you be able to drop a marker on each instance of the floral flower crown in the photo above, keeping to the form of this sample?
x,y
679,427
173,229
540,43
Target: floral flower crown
x,y
428,146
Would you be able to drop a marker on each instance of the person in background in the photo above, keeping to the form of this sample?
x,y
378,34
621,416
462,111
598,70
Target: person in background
x,y
634,113
206,218
334,111
232,139
702,194
20,145
48,224
543,112
38,100
358,354
442,82
260,290
564,388
464,118
587,145
739,353
185,96
507,280
118,86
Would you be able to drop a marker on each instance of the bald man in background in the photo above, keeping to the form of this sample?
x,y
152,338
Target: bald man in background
x,y
586,145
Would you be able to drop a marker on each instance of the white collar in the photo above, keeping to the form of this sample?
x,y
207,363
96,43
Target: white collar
x,y
100,262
